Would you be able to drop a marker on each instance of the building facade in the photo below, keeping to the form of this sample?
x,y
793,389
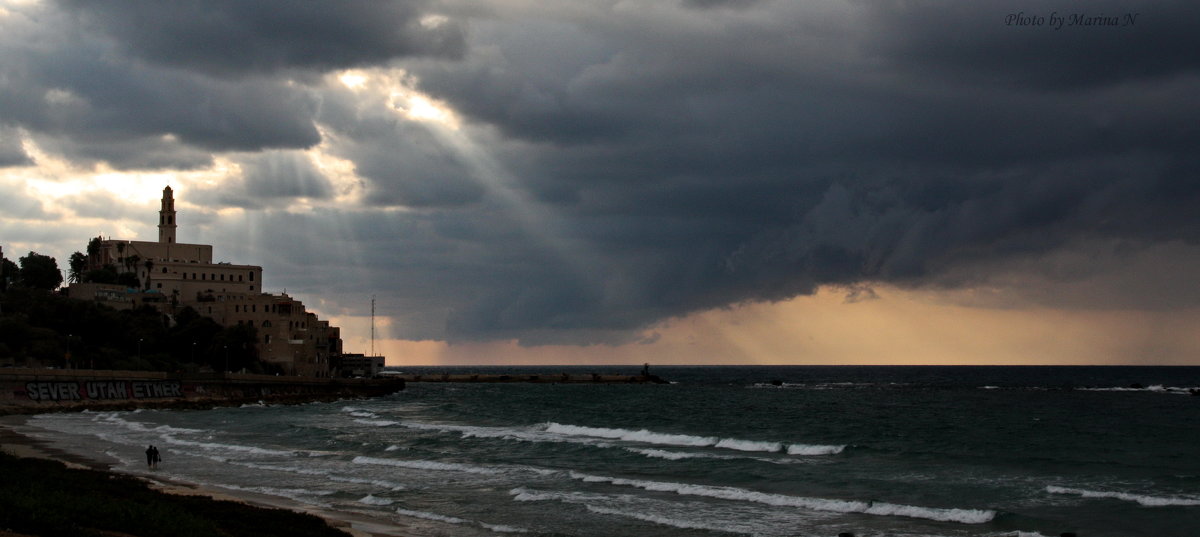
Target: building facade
x,y
173,275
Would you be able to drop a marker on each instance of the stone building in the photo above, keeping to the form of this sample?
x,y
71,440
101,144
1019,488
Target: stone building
x,y
172,275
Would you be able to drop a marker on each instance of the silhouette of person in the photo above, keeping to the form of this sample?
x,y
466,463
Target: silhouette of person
x,y
157,456
150,456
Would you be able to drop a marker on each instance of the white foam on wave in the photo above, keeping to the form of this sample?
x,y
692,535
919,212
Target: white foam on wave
x,y
1147,501
500,528
669,455
592,503
214,446
651,437
327,474
683,455
372,500
426,515
749,445
814,449
1154,388
113,418
641,435
658,519
301,495
966,516
376,423
432,516
428,465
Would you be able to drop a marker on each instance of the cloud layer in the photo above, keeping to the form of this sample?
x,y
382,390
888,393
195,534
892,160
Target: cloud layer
x,y
576,173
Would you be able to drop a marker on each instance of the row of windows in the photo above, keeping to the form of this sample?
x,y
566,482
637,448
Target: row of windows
x,y
265,324
203,276
253,308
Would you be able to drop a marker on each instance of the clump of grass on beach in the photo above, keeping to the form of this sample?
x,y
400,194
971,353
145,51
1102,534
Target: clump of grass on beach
x,y
45,498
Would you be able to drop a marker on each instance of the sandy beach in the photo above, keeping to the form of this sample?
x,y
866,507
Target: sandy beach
x,y
15,440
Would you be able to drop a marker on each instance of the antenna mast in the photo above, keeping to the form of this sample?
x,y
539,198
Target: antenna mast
x,y
372,325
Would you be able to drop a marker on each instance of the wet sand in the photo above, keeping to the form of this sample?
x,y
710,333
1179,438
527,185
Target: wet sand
x,y
14,442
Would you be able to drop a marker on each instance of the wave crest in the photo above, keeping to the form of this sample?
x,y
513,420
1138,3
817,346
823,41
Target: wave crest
x,y
1144,500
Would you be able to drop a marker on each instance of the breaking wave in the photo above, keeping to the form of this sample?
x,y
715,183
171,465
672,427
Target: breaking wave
x,y
425,515
965,516
1147,501
668,439
432,516
427,465
372,500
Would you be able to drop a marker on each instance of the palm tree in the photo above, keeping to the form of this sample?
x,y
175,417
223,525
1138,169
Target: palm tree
x,y
78,265
149,266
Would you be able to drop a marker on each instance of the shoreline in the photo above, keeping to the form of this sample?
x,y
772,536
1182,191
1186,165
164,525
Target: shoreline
x,y
16,442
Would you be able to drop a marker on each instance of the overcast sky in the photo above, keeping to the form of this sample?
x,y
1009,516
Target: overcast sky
x,y
687,181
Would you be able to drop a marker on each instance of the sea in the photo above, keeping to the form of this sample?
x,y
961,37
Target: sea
x,y
757,451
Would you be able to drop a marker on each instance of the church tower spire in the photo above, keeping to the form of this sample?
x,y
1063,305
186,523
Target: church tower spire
x,y
166,218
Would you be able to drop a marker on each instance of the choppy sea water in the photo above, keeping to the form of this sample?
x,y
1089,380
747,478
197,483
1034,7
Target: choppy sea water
x,y
769,451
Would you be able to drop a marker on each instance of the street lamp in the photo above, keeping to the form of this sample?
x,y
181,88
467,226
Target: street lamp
x,y
140,340
226,358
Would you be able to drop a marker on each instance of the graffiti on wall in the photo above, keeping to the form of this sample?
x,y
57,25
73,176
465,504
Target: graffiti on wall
x,y
103,389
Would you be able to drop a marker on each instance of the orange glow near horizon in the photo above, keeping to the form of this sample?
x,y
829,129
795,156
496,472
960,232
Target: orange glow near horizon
x,y
900,328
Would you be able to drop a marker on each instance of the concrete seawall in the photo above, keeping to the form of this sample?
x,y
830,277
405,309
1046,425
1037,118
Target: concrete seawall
x,y
27,391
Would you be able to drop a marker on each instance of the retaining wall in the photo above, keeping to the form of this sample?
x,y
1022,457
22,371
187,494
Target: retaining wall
x,y
46,390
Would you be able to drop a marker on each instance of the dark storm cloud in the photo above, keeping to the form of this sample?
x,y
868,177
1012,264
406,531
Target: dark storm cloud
x,y
1043,45
234,37
708,158
147,85
707,4
73,91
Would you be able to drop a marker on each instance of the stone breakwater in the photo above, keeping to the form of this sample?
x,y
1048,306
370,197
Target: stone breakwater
x,y
27,391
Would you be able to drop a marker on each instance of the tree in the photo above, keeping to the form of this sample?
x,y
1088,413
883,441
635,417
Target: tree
x,y
40,272
105,274
93,248
128,279
78,266
9,273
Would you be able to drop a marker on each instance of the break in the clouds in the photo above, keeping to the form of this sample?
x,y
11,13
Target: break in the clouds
x,y
577,172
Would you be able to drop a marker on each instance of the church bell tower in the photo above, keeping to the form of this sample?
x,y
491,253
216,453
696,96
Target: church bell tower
x,y
166,218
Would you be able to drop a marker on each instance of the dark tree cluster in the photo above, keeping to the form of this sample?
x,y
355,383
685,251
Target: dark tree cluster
x,y
36,271
42,329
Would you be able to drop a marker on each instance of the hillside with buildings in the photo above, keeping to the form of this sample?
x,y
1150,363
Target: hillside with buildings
x,y
181,284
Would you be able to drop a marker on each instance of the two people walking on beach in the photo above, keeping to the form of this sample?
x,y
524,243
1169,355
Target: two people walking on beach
x,y
152,457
